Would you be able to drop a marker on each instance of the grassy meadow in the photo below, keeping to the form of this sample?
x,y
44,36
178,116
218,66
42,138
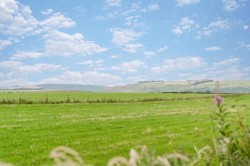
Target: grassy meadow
x,y
100,130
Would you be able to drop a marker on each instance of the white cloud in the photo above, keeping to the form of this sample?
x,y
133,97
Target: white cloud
x,y
47,11
38,68
228,70
122,37
187,2
178,64
26,54
229,73
133,21
125,39
219,24
129,67
162,49
7,9
245,27
11,82
20,68
153,7
9,64
184,25
113,2
133,47
56,21
4,44
227,62
242,45
214,48
90,77
114,56
177,30
16,19
231,5
149,53
134,8
94,65
17,73
63,44
154,53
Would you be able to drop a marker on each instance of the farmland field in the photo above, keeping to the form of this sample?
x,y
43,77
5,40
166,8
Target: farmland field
x,y
102,130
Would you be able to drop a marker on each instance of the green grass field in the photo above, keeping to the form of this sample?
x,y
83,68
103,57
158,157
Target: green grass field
x,y
100,131
91,97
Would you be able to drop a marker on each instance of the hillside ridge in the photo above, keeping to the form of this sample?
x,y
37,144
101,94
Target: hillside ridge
x,y
147,86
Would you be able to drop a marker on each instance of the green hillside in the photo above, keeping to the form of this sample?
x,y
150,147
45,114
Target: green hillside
x,y
185,86
149,86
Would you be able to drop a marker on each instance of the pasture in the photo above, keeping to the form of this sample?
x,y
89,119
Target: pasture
x,y
101,130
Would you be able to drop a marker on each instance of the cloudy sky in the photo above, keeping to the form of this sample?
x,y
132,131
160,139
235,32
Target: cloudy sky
x,y
114,42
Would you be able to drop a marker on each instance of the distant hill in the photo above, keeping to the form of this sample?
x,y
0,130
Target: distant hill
x,y
59,87
184,86
149,86
72,87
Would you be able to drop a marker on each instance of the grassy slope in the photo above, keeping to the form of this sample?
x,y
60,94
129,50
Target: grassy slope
x,y
171,86
101,131
182,86
84,96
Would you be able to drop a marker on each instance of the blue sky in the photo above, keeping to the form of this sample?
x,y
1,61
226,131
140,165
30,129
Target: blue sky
x,y
114,42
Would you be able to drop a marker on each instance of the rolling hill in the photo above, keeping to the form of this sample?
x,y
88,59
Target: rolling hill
x,y
185,86
148,86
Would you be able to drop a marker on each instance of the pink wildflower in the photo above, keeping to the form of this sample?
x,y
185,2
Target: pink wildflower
x,y
218,100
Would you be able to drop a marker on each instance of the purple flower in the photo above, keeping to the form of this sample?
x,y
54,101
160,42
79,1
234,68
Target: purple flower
x,y
218,100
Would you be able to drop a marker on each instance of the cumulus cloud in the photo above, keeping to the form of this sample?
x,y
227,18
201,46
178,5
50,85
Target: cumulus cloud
x,y
162,49
4,44
63,44
129,67
153,7
134,21
245,27
16,19
184,25
125,39
57,20
219,24
133,47
89,77
113,2
231,5
187,2
227,62
122,37
67,77
26,54
178,64
214,48
9,64
16,71
228,70
19,67
47,11
242,45
97,65
114,56
149,53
